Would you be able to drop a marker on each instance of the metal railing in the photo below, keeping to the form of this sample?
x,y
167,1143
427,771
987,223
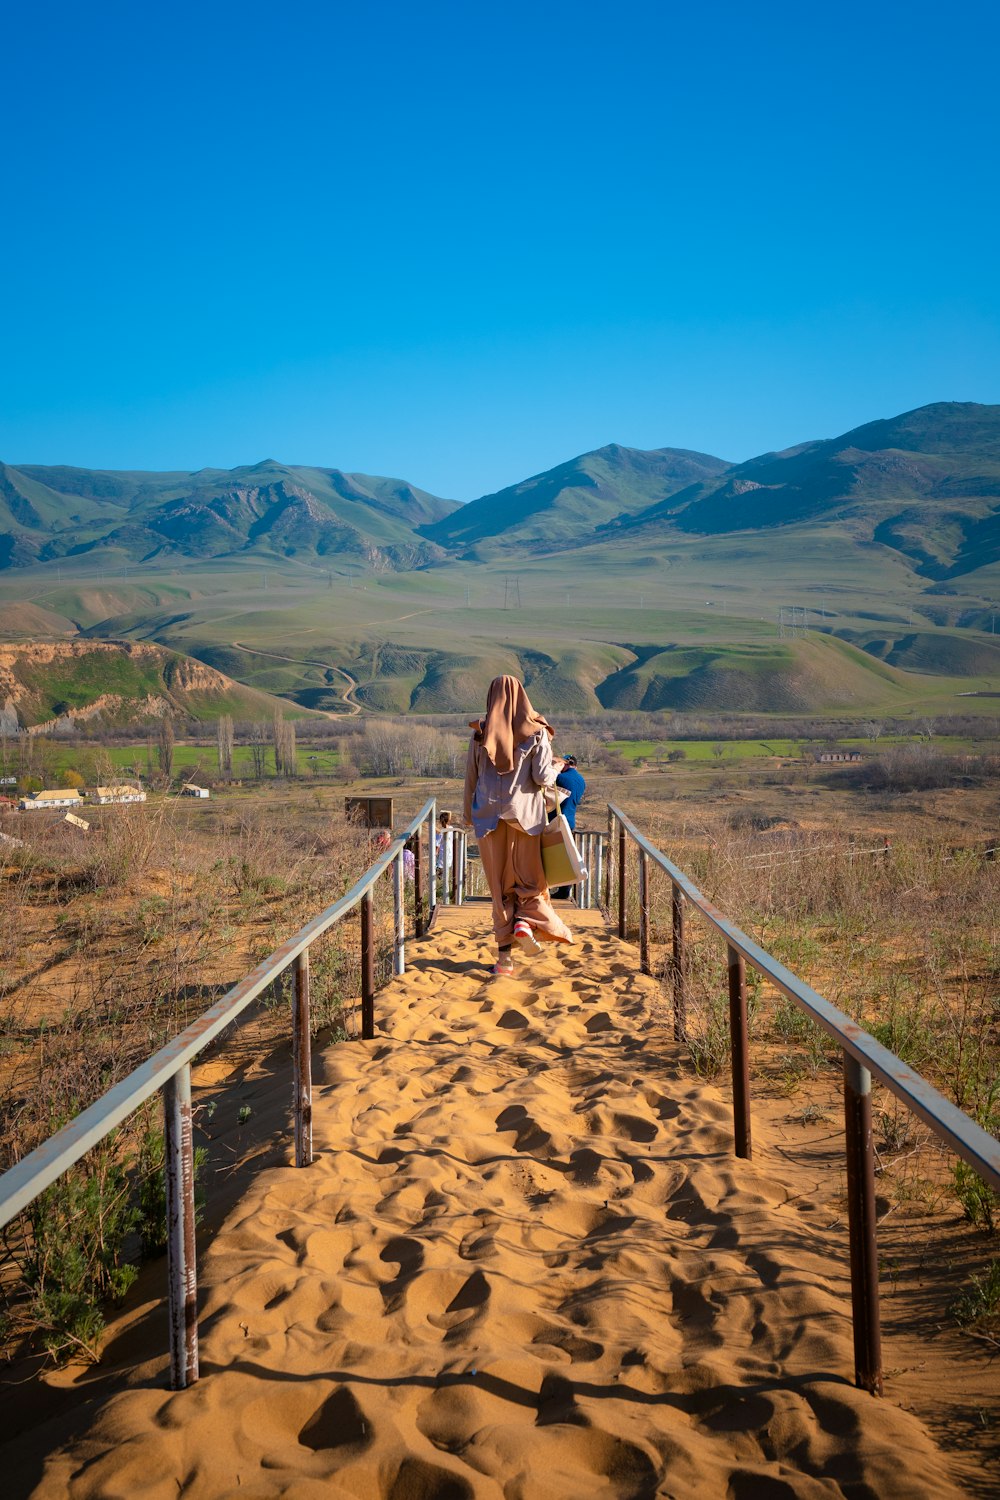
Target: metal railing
x,y
463,878
863,1058
169,1071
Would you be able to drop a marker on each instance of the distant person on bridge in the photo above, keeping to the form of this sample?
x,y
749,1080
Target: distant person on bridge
x,y
508,766
572,783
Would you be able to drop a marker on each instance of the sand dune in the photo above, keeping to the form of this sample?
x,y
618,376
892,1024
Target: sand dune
x,y
525,1266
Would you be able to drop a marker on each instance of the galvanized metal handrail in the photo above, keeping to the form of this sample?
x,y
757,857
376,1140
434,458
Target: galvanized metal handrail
x,y
863,1057
967,1139
169,1070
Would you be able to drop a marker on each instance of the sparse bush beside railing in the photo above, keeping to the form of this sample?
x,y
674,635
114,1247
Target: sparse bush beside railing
x,y
903,938
145,958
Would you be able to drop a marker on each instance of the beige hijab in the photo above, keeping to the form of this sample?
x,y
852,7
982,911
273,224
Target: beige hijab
x,y
510,720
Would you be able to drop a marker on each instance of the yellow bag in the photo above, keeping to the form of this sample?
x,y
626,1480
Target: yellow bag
x,y
560,857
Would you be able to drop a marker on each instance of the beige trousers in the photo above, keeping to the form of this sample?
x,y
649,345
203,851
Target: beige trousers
x,y
512,864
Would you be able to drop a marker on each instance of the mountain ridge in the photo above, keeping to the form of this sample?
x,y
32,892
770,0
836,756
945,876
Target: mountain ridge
x,y
924,484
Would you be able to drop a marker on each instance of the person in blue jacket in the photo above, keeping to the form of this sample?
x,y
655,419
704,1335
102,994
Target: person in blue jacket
x,y
574,785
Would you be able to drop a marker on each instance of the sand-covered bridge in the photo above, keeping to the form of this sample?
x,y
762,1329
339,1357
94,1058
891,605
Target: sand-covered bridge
x,y
523,1264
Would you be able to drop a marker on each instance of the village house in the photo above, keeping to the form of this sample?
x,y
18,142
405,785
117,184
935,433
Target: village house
x,y
60,797
190,790
104,794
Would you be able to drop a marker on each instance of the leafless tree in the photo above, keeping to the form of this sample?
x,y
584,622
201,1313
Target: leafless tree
x,y
165,747
258,749
225,737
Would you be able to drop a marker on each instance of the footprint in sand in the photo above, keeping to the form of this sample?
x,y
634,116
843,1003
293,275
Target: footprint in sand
x,y
465,1308
338,1423
529,1134
579,1350
409,1256
513,1020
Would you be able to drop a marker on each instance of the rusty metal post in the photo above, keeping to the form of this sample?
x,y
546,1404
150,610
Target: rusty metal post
x,y
739,1037
367,968
861,1221
453,864
418,884
302,1061
182,1265
679,965
621,880
598,871
399,914
643,913
609,860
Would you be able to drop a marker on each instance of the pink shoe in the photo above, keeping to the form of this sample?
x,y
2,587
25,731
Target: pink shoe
x,y
503,968
526,940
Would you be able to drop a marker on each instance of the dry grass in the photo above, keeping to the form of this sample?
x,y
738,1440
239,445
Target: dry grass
x,y
111,942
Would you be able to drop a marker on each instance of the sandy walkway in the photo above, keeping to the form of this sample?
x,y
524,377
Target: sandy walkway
x,y
525,1266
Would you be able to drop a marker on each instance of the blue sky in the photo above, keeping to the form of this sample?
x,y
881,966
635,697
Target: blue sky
x,y
462,242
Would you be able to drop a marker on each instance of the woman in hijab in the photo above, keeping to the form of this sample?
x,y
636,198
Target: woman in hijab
x,y
509,764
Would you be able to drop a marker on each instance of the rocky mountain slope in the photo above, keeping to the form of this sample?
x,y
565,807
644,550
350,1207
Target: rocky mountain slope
x,y
569,502
267,508
122,681
926,484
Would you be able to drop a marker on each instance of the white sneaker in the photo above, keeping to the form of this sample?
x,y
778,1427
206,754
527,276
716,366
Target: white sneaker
x,y
526,940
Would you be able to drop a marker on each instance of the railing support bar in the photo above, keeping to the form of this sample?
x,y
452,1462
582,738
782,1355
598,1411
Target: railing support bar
x,y
607,863
621,880
182,1266
643,912
399,913
302,1061
679,974
367,969
861,1220
432,859
418,884
738,1033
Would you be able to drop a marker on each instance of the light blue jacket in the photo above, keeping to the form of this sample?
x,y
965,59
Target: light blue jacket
x,y
516,796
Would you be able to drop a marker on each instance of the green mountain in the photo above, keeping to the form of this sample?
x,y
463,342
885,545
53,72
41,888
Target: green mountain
x,y
569,502
925,484
268,508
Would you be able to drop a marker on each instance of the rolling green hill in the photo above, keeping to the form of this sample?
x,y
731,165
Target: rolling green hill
x,y
925,484
569,502
860,571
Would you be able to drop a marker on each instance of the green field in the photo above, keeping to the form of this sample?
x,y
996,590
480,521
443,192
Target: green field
x,y
93,761
657,750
